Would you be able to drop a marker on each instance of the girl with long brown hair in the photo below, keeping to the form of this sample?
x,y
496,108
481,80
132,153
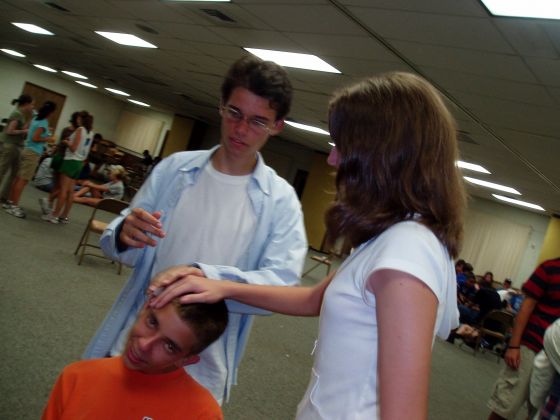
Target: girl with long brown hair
x,y
399,203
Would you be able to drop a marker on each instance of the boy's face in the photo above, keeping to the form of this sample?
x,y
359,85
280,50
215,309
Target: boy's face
x,y
240,139
159,342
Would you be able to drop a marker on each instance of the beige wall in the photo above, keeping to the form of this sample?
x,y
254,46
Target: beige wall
x,y
317,196
105,109
179,136
551,243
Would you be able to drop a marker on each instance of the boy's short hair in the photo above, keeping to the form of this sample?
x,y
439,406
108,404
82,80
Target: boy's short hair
x,y
208,321
263,78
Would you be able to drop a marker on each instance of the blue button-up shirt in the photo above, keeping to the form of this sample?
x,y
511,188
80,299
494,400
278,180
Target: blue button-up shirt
x,y
275,255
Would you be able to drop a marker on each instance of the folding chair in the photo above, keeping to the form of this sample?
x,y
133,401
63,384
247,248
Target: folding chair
x,y
97,226
496,324
321,259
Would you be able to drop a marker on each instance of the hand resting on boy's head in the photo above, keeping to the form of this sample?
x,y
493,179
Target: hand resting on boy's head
x,y
176,282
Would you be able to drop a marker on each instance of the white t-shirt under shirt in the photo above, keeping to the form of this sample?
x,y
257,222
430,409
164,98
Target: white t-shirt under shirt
x,y
201,233
343,381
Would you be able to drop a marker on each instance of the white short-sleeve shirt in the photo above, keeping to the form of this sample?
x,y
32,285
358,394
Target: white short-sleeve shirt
x,y
343,383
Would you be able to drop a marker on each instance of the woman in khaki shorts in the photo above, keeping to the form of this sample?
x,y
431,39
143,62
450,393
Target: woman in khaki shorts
x,y
37,136
12,140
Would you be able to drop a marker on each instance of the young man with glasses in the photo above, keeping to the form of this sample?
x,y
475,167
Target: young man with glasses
x,y
221,211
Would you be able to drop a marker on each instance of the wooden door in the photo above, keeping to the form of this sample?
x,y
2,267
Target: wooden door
x,y
41,95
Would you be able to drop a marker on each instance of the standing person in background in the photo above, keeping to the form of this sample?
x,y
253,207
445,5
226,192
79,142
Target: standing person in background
x,y
77,149
12,140
56,163
38,134
223,208
540,308
399,203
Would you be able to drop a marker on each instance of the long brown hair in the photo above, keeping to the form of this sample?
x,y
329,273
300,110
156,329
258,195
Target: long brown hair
x,y
398,147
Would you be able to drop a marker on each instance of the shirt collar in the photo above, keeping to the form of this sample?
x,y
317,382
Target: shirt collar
x,y
258,174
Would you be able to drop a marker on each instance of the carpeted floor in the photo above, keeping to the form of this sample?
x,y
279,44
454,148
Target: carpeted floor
x,y
50,307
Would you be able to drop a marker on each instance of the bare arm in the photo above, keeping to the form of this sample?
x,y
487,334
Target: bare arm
x,y
38,139
12,130
98,187
513,356
73,145
299,301
406,312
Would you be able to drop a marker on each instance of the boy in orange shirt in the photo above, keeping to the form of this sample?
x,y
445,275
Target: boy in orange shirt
x,y
148,381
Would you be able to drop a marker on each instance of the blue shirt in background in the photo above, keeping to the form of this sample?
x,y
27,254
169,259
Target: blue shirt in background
x,y
36,146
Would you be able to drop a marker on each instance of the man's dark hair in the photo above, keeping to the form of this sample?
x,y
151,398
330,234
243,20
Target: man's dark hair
x,y
263,78
467,267
507,281
207,321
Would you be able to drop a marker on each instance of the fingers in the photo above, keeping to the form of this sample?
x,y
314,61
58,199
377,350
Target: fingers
x,y
167,283
171,275
137,227
179,288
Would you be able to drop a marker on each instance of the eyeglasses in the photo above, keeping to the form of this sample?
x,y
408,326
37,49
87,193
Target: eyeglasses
x,y
234,115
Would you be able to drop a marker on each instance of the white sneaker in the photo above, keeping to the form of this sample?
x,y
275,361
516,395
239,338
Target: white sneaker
x,y
63,220
7,205
50,218
16,211
45,206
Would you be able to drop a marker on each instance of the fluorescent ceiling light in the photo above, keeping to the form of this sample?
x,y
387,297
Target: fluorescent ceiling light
x,y
492,185
32,28
518,202
126,39
331,143
138,102
288,59
76,75
12,52
472,167
39,66
307,127
89,85
541,9
118,92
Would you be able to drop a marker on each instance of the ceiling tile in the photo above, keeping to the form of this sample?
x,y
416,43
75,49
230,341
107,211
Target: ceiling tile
x,y
296,18
452,31
501,66
343,46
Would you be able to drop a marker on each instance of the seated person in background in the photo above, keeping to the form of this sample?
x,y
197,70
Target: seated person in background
x,y
485,300
92,193
44,177
148,381
466,292
459,272
489,277
506,294
147,159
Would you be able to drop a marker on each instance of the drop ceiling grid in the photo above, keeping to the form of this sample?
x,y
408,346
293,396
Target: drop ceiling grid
x,y
446,7
296,18
528,93
444,30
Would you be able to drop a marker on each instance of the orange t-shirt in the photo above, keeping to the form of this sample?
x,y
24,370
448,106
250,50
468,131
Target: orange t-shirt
x,y
107,389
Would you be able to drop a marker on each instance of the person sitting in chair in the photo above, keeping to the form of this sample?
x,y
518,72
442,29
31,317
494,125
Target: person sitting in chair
x,y
92,193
